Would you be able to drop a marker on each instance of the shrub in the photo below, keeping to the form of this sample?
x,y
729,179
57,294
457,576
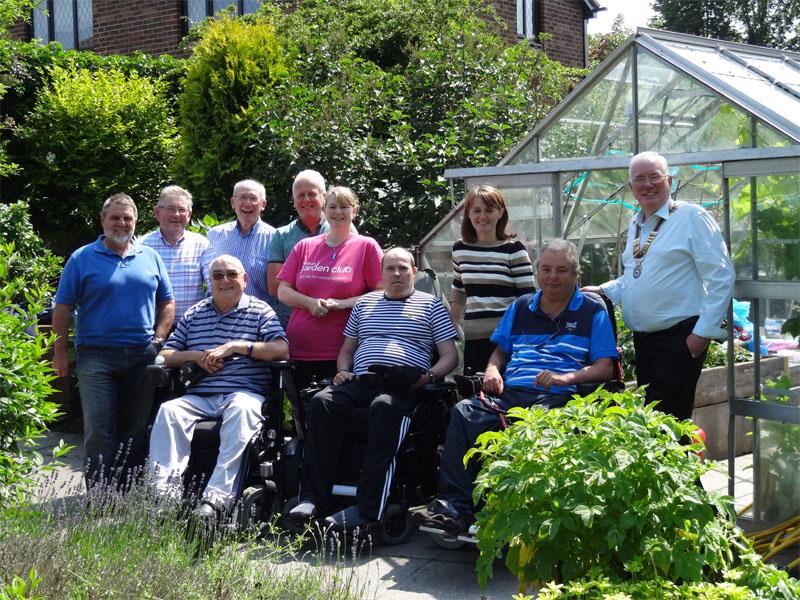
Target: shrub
x,y
601,488
29,262
92,134
24,378
234,59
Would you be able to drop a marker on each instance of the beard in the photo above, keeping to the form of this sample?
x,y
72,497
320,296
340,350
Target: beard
x,y
120,240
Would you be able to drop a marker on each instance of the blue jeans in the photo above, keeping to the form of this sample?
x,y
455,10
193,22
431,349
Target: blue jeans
x,y
117,398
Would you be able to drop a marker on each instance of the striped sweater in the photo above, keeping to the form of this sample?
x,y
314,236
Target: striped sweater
x,y
487,277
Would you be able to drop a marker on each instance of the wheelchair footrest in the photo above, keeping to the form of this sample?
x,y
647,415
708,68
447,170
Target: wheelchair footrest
x,y
468,536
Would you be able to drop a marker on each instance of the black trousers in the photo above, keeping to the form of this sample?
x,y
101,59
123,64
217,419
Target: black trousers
x,y
389,411
665,364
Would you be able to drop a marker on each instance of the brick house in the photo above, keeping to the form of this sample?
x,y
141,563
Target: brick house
x,y
157,26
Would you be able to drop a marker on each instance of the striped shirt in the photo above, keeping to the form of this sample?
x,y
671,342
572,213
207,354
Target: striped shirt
x,y
578,337
399,332
252,249
487,276
188,263
203,327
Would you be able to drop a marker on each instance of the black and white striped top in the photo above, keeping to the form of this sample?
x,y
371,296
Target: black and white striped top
x,y
487,277
397,332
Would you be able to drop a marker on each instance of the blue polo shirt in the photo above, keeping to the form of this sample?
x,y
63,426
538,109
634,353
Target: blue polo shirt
x,y
578,337
115,296
204,327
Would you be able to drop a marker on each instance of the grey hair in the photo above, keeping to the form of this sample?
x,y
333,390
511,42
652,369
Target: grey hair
x,y
229,258
123,199
312,176
651,155
256,184
560,245
174,190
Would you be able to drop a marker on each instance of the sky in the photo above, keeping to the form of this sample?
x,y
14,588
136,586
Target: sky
x,y
637,13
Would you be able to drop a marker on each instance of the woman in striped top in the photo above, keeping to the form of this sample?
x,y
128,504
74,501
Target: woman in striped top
x,y
490,270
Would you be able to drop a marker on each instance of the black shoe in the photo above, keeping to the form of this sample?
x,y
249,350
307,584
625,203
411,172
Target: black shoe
x,y
349,518
443,515
305,511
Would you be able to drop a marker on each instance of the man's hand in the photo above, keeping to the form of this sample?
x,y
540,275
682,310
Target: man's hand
x,y
696,344
343,376
214,358
492,381
545,379
61,363
596,289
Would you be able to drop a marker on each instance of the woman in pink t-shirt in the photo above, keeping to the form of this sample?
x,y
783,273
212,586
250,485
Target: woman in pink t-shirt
x,y
323,277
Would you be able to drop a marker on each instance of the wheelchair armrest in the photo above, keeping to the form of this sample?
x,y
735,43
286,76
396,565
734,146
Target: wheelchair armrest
x,y
440,386
159,375
587,387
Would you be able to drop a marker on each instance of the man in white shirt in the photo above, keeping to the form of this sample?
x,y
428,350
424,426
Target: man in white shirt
x,y
676,286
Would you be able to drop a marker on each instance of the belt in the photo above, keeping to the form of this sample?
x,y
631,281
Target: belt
x,y
678,325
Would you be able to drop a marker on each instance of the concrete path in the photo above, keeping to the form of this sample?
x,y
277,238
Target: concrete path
x,y
416,570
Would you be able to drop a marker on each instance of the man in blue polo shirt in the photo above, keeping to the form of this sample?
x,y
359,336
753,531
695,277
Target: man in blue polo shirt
x,y
546,344
125,306
229,335
247,237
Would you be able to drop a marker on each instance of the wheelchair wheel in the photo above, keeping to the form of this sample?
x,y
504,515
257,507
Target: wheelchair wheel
x,y
259,506
397,525
448,543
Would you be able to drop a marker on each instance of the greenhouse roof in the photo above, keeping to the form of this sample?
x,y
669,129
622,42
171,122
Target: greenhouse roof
x,y
673,93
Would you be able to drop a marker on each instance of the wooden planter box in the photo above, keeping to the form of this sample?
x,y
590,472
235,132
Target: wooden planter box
x,y
711,404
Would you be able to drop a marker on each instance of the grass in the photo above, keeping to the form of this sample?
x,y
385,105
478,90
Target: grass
x,y
105,543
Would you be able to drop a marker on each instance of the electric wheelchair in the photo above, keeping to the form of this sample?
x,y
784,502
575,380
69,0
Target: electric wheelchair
x,y
417,460
268,473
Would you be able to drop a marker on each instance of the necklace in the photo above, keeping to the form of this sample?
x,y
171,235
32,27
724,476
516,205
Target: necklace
x,y
640,253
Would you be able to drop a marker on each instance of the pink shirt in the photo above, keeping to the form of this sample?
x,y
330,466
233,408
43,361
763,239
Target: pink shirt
x,y
319,271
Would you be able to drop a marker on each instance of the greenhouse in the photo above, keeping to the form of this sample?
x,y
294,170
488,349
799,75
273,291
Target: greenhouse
x,y
725,116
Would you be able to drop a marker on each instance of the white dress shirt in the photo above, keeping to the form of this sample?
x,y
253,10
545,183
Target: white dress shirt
x,y
686,272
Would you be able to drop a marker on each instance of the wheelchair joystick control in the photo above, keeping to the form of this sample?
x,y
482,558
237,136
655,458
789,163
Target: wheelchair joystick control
x,y
160,360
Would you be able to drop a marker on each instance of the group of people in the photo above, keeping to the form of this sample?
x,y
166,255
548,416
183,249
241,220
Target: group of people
x,y
318,292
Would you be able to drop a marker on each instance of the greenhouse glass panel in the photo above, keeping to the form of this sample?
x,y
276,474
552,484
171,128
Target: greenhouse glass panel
x,y
597,124
734,73
778,214
678,114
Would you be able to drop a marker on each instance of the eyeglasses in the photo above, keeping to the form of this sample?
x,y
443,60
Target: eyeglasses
x,y
175,210
653,179
220,275
249,199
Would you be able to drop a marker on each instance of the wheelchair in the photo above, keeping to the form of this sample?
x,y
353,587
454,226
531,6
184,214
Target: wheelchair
x,y
269,471
417,460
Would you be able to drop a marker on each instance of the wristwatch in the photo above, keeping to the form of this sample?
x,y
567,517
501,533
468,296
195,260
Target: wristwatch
x,y
432,375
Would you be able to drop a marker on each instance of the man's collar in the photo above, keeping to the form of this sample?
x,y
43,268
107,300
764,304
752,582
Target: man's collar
x,y
166,241
99,246
304,228
255,226
663,211
244,302
574,303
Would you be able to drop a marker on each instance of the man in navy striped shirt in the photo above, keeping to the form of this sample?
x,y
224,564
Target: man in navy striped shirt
x,y
546,344
398,326
229,335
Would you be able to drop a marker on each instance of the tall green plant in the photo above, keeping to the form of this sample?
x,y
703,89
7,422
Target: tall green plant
x,y
24,379
602,487
233,61
90,135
